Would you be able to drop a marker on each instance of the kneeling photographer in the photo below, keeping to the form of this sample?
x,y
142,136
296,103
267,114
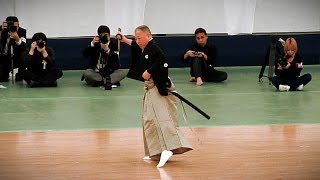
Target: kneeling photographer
x,y
41,70
104,67
288,68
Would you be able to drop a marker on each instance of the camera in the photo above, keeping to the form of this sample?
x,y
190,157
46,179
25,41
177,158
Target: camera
x,y
103,38
196,54
283,61
40,43
11,27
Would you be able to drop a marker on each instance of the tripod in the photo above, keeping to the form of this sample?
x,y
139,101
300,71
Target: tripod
x,y
11,58
104,72
274,51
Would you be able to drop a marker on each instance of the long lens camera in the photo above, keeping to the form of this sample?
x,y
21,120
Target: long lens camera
x,y
40,43
103,38
11,27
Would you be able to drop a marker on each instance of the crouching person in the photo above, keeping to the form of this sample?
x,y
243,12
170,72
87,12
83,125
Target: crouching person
x,y
41,70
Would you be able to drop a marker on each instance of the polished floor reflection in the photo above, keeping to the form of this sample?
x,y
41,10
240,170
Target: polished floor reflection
x,y
229,152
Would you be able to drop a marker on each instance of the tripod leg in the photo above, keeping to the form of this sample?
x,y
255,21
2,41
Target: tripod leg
x,y
12,71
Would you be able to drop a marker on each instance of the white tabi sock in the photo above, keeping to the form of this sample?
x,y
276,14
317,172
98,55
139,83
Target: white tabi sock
x,y
146,158
165,155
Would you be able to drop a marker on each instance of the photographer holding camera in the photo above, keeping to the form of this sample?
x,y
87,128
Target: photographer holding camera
x,y
41,70
104,66
288,68
12,45
202,56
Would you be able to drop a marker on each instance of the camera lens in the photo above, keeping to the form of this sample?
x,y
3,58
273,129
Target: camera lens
x,y
40,44
103,38
13,28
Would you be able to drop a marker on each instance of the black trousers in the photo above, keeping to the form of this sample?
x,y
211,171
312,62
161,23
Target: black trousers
x,y
294,83
6,67
208,74
46,79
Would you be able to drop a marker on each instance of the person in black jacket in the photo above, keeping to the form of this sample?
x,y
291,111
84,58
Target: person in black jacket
x,y
103,60
12,42
41,70
288,69
161,134
202,56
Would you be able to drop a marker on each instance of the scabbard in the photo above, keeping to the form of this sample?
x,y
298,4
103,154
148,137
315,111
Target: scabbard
x,y
190,104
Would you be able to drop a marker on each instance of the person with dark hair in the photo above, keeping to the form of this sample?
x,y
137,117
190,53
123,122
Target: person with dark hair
x,y
41,70
103,61
202,56
288,69
12,46
161,134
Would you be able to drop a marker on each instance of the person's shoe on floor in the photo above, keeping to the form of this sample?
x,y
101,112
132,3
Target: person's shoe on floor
x,y
193,79
165,155
34,84
300,88
284,88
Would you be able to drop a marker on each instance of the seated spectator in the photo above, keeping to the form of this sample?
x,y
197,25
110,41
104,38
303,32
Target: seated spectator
x,y
202,56
288,68
41,70
104,67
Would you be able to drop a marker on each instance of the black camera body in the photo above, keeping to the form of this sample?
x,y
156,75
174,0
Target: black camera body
x,y
196,54
103,38
283,61
11,27
40,43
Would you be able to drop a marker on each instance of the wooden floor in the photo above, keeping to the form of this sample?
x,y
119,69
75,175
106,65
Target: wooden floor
x,y
79,132
229,152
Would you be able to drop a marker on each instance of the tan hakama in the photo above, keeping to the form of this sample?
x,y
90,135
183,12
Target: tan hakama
x,y
160,125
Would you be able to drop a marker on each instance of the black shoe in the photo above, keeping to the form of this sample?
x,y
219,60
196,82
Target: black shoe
x,y
34,84
108,86
117,84
18,77
53,84
28,82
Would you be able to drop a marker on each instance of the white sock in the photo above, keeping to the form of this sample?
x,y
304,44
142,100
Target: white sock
x,y
300,88
146,158
165,155
284,87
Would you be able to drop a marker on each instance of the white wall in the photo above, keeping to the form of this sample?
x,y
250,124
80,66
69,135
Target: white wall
x,y
184,16
287,16
71,18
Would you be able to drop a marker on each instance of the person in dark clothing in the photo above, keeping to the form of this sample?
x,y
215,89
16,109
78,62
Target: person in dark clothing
x,y
288,69
103,60
41,70
202,56
12,46
161,134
